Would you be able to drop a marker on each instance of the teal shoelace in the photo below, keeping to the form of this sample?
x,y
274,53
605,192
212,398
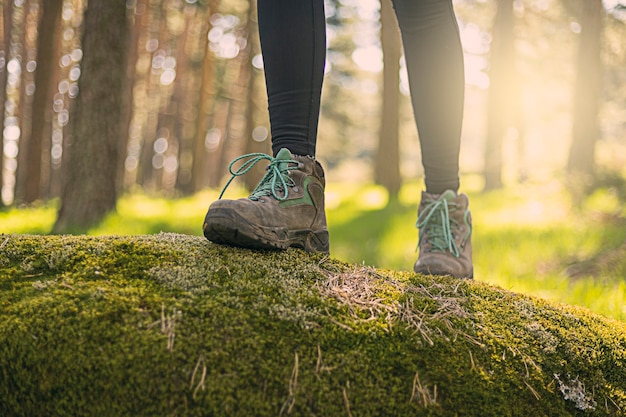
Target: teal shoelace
x,y
435,220
276,179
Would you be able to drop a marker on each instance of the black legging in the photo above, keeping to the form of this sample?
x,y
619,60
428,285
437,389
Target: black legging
x,y
293,40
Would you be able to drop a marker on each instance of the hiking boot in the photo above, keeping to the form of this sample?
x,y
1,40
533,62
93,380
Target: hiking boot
x,y
445,230
286,209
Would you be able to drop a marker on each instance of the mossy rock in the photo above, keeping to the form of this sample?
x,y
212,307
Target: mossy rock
x,y
172,325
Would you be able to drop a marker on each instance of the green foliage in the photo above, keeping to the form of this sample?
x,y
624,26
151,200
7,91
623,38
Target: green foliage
x,y
171,324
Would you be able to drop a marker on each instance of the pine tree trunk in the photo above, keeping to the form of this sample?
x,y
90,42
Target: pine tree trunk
x,y
6,10
500,98
23,111
157,29
234,142
254,79
199,172
132,55
42,102
586,129
89,190
387,163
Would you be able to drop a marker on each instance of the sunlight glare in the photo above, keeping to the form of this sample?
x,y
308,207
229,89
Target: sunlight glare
x,y
10,149
475,46
11,132
374,198
368,58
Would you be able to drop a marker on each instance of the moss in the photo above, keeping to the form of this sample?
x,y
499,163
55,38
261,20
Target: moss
x,y
172,325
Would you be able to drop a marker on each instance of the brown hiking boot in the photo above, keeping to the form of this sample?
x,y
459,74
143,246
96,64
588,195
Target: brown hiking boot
x,y
445,231
286,208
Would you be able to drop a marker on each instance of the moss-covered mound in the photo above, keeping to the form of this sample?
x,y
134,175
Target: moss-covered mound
x,y
172,325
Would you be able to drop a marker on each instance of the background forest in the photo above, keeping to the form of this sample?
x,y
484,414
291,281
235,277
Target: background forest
x,y
107,102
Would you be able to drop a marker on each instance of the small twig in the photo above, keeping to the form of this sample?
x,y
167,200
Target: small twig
x,y
163,318
614,403
346,402
427,399
535,393
318,365
343,326
168,325
525,366
293,385
224,267
202,377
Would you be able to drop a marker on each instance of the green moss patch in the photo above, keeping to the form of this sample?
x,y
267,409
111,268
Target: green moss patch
x,y
172,325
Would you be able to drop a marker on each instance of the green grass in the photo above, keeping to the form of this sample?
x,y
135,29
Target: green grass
x,y
527,239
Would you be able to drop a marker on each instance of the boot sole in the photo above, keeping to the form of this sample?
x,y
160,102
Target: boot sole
x,y
441,272
229,228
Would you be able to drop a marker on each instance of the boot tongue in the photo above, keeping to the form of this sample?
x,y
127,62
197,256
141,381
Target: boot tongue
x,y
284,155
448,195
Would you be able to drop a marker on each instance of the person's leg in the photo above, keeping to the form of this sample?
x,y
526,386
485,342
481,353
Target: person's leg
x,y
434,59
293,41
287,207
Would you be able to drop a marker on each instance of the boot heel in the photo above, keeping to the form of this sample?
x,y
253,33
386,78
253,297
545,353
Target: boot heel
x,y
317,242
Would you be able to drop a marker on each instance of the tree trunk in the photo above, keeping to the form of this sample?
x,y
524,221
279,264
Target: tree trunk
x,y
234,141
47,64
6,10
503,80
585,129
387,160
132,55
192,130
89,190
199,173
254,80
23,111
50,184
156,98
182,91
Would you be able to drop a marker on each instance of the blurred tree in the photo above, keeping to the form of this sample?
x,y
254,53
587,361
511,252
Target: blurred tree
x,y
139,16
185,92
6,13
205,106
26,56
47,66
89,190
587,89
342,98
157,94
387,158
256,138
503,94
233,93
237,96
171,114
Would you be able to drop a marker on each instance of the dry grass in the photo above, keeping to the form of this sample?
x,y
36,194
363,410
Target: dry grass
x,y
371,296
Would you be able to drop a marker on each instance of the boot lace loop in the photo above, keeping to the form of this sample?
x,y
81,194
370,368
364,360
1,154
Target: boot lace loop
x,y
276,179
434,222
